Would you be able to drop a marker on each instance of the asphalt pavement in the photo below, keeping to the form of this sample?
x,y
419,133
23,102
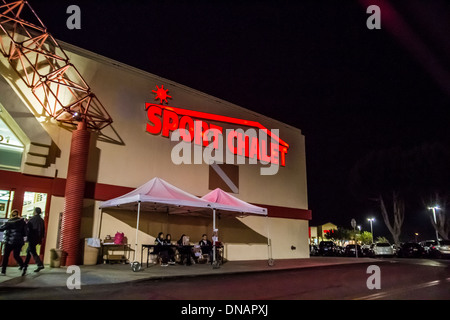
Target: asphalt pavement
x,y
102,274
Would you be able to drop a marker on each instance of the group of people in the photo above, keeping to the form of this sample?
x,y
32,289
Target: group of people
x,y
166,250
16,231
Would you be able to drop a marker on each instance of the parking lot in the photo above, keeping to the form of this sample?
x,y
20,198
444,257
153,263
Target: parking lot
x,y
322,278
430,249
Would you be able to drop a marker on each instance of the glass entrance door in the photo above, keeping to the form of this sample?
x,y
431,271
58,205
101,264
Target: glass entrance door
x,y
33,200
6,198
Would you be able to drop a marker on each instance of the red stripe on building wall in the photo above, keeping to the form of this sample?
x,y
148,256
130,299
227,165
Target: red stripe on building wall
x,y
288,213
103,192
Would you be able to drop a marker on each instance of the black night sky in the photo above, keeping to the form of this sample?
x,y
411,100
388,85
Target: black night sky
x,y
311,64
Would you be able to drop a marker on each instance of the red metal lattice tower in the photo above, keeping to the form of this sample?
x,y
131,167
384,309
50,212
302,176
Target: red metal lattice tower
x,y
45,68
60,89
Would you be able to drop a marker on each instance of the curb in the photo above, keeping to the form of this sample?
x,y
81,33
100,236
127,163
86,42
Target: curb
x,y
18,283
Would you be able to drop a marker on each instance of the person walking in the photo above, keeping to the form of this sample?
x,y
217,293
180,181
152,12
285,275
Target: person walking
x,y
14,232
35,235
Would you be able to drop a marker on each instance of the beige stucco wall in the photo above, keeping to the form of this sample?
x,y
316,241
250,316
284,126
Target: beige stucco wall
x,y
124,154
124,91
244,238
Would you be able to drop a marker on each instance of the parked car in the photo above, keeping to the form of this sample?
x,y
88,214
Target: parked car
x,y
410,250
440,250
365,250
381,249
426,245
339,251
350,250
395,248
327,248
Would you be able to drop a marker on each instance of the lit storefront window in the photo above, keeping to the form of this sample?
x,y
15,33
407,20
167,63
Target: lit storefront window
x,y
32,200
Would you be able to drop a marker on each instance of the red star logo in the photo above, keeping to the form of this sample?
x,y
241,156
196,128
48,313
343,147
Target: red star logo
x,y
161,94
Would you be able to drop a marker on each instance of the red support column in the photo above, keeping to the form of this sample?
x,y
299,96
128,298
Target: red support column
x,y
74,194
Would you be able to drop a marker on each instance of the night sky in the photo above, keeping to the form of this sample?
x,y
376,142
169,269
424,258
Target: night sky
x,y
311,64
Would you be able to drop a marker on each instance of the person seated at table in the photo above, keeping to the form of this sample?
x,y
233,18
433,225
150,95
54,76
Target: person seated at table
x,y
206,246
161,250
170,250
185,250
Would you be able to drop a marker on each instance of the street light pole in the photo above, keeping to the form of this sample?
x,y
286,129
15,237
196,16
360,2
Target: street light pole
x,y
371,228
435,222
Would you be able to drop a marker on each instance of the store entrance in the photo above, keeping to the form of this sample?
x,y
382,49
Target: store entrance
x,y
31,200
6,199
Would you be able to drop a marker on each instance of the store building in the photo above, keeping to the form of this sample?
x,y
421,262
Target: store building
x,y
146,110
319,233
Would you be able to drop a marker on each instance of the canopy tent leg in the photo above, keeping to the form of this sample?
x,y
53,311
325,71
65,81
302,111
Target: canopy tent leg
x,y
166,227
100,224
215,263
136,266
270,260
137,229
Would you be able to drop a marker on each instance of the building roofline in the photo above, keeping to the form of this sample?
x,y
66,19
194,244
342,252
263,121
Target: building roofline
x,y
120,65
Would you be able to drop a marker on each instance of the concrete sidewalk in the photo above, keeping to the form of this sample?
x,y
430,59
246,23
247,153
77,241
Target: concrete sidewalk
x,y
122,273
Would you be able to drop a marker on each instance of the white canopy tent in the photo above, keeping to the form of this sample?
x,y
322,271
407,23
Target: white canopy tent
x,y
225,202
158,195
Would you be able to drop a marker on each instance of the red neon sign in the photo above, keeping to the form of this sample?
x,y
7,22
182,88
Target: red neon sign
x,y
165,119
161,94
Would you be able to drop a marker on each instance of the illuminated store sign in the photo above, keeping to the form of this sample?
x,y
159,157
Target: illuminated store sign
x,y
251,139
